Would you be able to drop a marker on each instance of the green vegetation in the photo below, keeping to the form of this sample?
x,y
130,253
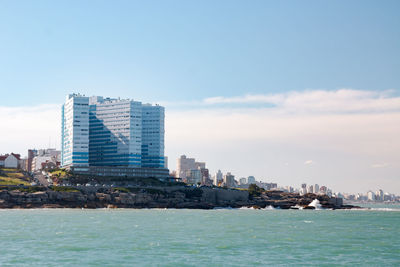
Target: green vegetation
x,y
255,191
16,175
58,175
31,189
122,189
12,181
64,189
155,191
13,177
9,169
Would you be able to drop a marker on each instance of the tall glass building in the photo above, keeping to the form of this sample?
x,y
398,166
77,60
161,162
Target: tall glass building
x,y
75,131
112,133
153,136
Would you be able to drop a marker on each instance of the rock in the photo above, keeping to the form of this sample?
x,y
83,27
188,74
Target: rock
x,y
160,197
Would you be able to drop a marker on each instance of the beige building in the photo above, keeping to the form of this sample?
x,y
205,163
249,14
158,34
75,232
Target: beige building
x,y
184,165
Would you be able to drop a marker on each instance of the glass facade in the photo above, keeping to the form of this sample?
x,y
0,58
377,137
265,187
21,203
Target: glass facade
x,y
112,132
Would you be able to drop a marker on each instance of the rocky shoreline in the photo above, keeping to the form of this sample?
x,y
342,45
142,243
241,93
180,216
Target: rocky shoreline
x,y
178,197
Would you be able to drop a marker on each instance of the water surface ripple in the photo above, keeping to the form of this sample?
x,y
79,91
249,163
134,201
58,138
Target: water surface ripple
x,y
66,237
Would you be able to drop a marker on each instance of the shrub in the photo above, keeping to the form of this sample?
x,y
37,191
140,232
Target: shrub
x,y
64,189
255,191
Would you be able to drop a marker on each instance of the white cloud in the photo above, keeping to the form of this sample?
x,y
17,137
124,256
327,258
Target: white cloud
x,y
339,101
29,127
344,131
380,165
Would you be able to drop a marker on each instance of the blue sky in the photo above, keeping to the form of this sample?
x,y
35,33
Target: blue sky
x,y
287,91
186,50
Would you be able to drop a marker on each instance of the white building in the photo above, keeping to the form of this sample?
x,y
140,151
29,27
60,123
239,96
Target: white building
x,y
75,131
251,180
115,132
218,178
183,165
153,136
379,195
371,196
316,189
242,181
166,162
193,176
10,160
45,156
310,189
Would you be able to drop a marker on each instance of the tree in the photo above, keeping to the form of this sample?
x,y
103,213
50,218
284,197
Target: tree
x,y
255,191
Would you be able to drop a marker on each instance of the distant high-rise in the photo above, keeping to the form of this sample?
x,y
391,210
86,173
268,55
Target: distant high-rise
x,y
183,165
108,132
242,181
310,189
218,178
371,196
229,180
31,154
251,180
316,189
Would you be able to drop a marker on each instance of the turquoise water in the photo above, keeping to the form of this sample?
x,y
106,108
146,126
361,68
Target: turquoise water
x,y
199,237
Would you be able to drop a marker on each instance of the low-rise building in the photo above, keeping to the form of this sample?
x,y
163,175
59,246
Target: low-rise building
x,y
10,160
45,158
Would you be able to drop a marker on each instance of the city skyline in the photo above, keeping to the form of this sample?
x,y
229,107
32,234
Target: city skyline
x,y
290,93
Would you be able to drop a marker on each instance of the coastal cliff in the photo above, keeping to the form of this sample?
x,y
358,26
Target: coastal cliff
x,y
154,197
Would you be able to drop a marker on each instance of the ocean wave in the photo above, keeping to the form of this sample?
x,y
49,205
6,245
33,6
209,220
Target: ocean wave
x,y
375,209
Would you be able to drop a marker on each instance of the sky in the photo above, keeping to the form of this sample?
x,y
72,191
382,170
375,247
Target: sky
x,y
287,91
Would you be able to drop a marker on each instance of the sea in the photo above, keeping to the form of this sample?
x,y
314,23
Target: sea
x,y
220,237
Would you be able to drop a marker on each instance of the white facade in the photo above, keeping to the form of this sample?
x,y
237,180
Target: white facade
x,y
243,181
251,180
218,177
115,132
11,162
38,160
371,196
99,131
310,189
75,131
166,162
379,195
193,176
153,136
316,189
184,164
